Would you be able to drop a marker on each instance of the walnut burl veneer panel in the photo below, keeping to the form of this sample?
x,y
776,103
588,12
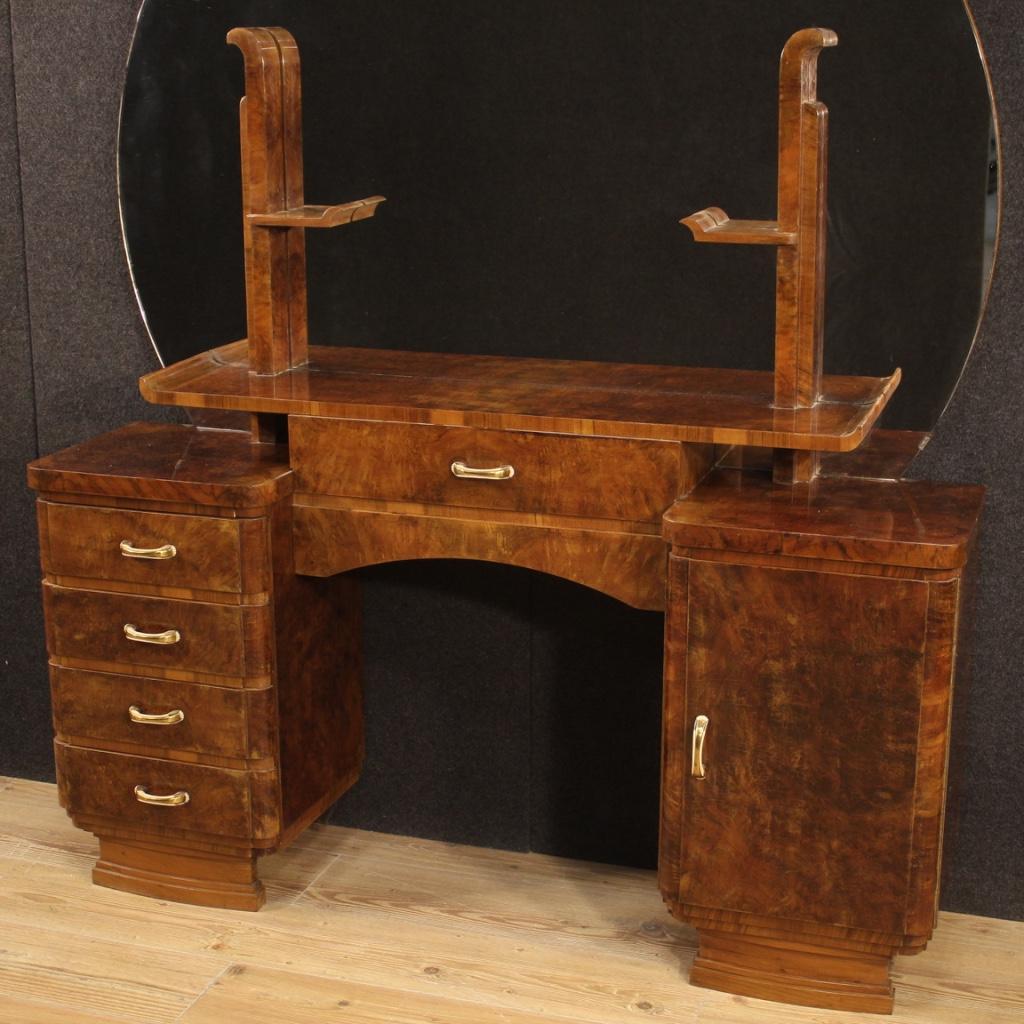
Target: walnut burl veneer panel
x,y
210,553
91,709
910,523
812,684
216,640
553,473
626,565
164,462
665,403
95,785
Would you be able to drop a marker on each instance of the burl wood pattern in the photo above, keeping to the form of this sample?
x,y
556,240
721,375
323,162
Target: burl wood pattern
x,y
912,523
812,683
220,723
813,620
815,627
164,463
605,477
84,543
274,212
229,642
798,233
619,562
664,403
223,802
317,630
266,673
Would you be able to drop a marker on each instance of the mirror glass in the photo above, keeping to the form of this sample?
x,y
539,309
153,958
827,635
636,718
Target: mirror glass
x,y
537,156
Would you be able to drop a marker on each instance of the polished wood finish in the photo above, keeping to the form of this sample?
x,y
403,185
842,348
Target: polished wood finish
x,y
158,462
87,627
274,210
815,626
811,620
185,874
664,403
405,930
254,639
798,231
603,477
210,553
625,563
92,709
223,802
892,522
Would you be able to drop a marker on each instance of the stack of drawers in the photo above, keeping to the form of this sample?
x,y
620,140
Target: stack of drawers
x,y
158,592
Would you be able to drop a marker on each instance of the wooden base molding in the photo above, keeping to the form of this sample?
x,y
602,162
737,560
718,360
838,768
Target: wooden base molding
x,y
165,872
789,972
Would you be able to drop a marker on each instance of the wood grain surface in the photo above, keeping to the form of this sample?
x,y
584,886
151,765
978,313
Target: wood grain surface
x,y
605,477
912,523
667,403
169,462
456,934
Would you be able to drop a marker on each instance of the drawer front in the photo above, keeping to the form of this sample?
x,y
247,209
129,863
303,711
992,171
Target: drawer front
x,y
221,801
216,639
200,552
162,715
601,477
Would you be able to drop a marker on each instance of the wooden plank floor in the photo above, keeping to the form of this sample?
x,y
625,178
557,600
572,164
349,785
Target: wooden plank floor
x,y
361,927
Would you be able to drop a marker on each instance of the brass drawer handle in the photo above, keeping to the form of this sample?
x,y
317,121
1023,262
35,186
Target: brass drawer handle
x,y
161,800
168,636
175,717
700,730
164,551
464,472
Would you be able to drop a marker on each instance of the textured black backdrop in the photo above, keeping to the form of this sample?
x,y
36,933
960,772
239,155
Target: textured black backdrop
x,y
491,710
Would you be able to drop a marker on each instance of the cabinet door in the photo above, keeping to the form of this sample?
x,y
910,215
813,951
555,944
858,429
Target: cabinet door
x,y
811,683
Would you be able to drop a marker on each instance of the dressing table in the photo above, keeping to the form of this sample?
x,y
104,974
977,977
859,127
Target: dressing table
x,y
203,630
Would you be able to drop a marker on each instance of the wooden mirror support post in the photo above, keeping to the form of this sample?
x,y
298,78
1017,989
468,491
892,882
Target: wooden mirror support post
x,y
275,214
798,232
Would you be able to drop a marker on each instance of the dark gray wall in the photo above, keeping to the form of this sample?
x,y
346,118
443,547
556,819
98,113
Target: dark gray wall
x,y
489,743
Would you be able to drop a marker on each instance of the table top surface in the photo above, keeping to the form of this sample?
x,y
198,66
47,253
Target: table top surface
x,y
695,404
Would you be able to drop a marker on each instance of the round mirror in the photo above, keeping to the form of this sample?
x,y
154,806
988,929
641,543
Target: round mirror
x,y
537,157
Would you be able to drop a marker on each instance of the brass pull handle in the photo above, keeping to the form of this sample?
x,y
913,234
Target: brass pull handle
x,y
168,636
175,717
700,730
161,800
164,551
464,472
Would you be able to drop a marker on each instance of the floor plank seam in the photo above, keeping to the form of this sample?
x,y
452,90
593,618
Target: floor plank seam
x,y
335,857
223,972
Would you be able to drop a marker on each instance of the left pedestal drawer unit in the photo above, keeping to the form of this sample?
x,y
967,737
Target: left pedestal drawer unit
x,y
166,553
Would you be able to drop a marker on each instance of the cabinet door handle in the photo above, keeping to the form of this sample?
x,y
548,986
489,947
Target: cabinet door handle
x,y
168,636
464,472
700,730
175,717
161,800
129,550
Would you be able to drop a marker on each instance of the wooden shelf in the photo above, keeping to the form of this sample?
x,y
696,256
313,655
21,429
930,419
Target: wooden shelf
x,y
715,225
318,216
554,395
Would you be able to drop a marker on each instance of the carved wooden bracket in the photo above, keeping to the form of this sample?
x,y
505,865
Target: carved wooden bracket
x,y
274,210
798,231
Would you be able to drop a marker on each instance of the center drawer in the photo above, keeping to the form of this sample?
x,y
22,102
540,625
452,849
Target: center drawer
x,y
601,477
